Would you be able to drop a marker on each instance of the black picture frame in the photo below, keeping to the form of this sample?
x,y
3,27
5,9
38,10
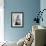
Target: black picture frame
x,y
17,19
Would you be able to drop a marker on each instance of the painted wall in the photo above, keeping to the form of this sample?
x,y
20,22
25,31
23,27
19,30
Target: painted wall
x,y
43,6
1,20
29,7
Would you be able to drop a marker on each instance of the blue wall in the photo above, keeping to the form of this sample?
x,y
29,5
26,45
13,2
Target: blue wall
x,y
43,6
29,7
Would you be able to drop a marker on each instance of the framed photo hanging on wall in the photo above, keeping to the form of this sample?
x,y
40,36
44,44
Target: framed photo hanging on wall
x,y
17,19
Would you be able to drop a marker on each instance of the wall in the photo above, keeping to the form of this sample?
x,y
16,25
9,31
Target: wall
x,y
1,21
43,6
29,7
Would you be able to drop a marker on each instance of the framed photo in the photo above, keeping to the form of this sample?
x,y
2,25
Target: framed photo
x,y
17,19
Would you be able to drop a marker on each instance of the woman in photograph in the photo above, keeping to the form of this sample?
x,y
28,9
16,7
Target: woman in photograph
x,y
18,21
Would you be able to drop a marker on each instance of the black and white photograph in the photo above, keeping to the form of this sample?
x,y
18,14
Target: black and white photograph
x,y
17,19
